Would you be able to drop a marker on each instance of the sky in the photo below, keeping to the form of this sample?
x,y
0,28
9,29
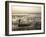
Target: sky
x,y
22,9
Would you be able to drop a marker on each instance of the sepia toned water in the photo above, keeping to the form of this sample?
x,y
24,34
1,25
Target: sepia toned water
x,y
26,21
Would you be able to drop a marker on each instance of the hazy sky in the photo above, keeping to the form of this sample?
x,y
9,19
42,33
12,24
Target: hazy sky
x,y
26,9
